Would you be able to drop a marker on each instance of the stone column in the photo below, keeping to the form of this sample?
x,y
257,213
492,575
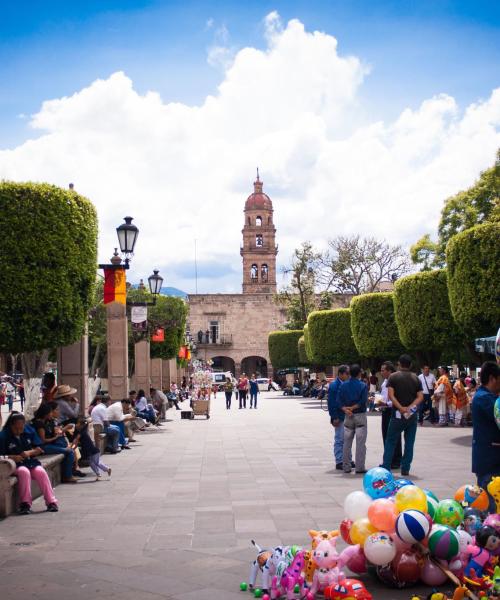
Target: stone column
x,y
165,372
142,376
117,338
73,369
157,373
172,371
237,369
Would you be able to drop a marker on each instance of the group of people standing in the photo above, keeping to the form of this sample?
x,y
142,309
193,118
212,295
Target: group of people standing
x,y
406,398
242,388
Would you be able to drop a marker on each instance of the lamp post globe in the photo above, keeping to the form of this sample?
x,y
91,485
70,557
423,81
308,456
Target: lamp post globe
x,y
155,282
127,236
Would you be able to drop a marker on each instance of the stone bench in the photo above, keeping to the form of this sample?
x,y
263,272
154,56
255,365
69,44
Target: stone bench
x,y
8,480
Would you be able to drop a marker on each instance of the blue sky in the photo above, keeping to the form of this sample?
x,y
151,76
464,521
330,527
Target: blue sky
x,y
415,49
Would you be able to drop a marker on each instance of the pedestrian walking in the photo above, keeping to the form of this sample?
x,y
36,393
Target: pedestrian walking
x,y
461,400
243,389
405,393
20,391
387,370
337,416
228,392
372,390
428,383
445,398
10,392
353,399
254,390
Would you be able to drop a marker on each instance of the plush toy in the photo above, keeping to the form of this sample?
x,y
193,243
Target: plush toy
x,y
487,542
494,490
316,538
329,562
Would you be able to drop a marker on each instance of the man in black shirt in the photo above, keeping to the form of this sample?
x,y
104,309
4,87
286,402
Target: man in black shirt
x,y
405,393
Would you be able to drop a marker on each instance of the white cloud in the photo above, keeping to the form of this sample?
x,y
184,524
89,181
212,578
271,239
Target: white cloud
x,y
184,172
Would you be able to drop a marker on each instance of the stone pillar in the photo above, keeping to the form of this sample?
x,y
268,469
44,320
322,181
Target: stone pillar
x,y
156,373
117,338
165,371
237,368
142,376
172,371
73,369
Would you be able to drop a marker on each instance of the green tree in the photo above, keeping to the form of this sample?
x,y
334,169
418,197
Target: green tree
x,y
97,329
374,327
304,361
423,315
331,337
48,253
478,204
307,343
283,348
473,259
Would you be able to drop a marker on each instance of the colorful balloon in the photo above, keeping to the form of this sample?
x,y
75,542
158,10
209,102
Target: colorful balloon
x,y
493,520
411,497
432,502
496,411
379,548
412,526
431,574
464,539
378,483
345,529
356,505
406,567
382,514
357,562
399,483
360,530
449,512
443,542
472,496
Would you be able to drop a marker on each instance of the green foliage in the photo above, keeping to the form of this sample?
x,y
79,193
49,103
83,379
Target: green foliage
x,y
331,337
97,329
283,348
423,315
48,256
473,258
170,313
425,252
374,326
304,361
307,342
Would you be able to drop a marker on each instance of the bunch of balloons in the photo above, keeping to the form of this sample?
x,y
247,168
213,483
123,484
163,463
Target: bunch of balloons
x,y
398,525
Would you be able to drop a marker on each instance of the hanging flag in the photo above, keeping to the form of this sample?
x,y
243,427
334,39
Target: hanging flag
x,y
183,352
115,289
158,335
139,318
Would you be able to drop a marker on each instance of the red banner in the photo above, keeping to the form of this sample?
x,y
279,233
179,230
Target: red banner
x,y
158,335
115,289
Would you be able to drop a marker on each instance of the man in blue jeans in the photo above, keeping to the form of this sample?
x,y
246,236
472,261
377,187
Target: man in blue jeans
x,y
485,433
405,393
337,415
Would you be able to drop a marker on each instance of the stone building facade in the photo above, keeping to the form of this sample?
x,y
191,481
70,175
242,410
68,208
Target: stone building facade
x,y
232,329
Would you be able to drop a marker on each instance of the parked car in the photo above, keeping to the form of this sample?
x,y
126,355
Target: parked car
x,y
265,384
219,379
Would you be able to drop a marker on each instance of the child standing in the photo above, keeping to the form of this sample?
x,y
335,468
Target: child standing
x,y
89,449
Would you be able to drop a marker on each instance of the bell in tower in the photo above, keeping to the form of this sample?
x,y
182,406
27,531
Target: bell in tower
x,y
259,248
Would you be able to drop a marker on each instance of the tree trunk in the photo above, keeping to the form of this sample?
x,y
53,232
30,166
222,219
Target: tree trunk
x,y
34,364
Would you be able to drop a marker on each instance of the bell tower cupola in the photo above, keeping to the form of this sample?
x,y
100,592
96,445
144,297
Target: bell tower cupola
x,y
259,247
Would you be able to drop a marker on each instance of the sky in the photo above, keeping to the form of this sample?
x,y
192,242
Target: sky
x,y
362,117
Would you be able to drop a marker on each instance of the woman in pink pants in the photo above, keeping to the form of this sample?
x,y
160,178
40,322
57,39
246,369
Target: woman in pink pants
x,y
18,444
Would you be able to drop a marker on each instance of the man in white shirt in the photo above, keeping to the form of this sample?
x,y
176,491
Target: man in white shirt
x,y
428,382
386,371
116,417
100,417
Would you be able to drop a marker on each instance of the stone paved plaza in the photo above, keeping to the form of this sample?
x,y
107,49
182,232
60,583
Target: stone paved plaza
x,y
177,517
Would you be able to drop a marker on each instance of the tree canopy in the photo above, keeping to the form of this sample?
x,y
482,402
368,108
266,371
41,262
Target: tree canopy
x,y
48,253
283,348
473,259
331,337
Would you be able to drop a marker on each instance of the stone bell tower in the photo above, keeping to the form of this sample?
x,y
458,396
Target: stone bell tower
x,y
259,248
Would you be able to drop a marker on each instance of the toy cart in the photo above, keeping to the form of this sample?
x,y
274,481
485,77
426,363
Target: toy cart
x,y
201,407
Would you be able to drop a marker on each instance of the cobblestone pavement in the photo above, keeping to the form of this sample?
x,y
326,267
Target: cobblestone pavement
x,y
176,519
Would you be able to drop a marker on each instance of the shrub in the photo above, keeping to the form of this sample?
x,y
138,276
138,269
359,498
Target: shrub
x,y
473,259
374,326
302,352
283,348
48,253
423,314
307,342
331,338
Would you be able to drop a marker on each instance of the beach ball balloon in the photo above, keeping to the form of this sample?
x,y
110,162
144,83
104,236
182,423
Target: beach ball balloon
x,y
382,514
449,512
345,530
356,505
472,496
360,530
379,548
412,526
411,497
432,502
378,483
443,542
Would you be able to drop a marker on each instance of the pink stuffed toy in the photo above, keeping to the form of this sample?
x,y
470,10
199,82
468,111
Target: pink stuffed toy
x,y
329,564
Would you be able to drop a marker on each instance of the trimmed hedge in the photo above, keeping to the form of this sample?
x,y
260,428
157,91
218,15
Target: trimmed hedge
x,y
283,348
374,326
307,342
48,258
301,344
423,312
331,337
473,259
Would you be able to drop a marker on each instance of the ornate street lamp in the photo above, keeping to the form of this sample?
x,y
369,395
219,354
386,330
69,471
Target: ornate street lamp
x,y
127,237
155,282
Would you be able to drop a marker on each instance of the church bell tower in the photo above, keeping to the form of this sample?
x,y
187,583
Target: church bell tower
x,y
259,248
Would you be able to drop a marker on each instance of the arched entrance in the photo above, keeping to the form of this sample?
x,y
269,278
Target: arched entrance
x,y
254,364
224,364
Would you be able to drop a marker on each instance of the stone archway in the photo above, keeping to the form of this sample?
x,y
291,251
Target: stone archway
x,y
224,364
254,364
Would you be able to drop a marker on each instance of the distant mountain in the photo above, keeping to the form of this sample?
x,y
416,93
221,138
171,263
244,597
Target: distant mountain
x,y
172,291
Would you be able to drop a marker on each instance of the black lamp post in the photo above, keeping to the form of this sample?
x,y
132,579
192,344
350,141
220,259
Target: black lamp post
x,y
127,237
155,282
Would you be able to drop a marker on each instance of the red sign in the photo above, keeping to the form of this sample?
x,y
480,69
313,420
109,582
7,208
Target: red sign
x,y
158,335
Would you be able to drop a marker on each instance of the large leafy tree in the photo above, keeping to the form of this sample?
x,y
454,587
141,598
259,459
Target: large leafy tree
x,y
478,204
331,337
283,348
48,255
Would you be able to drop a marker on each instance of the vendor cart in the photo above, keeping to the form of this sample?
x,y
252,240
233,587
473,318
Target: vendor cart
x,y
201,407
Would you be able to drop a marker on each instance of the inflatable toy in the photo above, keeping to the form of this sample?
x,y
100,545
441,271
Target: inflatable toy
x,y
412,526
